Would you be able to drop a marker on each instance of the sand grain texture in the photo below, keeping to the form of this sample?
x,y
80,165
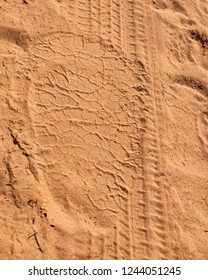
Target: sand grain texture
x,y
104,129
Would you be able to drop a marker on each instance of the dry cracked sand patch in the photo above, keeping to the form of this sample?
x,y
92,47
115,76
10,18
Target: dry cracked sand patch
x,y
104,129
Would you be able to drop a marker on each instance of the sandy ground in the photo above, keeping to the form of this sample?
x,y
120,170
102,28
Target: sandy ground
x,y
104,129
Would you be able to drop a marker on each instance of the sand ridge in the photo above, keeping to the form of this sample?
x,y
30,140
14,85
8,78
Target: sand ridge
x,y
104,129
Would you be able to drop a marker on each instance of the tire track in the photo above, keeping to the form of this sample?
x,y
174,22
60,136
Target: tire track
x,y
116,26
84,16
97,247
96,17
130,29
158,242
119,23
106,19
124,231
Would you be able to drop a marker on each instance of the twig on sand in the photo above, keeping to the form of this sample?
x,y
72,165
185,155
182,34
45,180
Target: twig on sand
x,y
31,235
36,240
38,244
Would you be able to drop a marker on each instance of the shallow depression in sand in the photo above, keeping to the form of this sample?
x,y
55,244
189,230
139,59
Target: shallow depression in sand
x,y
86,112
